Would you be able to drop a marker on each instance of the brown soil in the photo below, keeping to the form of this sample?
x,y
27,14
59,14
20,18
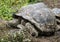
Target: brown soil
x,y
52,3
53,38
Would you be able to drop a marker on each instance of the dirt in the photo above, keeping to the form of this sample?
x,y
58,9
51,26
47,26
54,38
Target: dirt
x,y
52,3
53,38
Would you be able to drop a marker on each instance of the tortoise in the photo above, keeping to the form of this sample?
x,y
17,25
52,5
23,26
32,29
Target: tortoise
x,y
41,20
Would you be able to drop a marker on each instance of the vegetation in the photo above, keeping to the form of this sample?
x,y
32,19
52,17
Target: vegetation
x,y
12,38
7,7
35,1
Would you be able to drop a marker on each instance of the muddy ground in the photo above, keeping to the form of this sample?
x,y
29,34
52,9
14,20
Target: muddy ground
x,y
52,38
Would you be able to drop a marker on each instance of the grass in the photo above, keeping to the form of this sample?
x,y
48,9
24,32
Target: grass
x,y
7,7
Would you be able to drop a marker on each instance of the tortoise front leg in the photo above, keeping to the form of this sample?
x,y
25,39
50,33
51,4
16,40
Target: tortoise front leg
x,y
31,29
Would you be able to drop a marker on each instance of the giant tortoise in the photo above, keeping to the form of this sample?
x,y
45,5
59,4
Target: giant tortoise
x,y
36,17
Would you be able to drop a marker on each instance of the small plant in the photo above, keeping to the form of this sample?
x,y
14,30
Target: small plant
x,y
12,38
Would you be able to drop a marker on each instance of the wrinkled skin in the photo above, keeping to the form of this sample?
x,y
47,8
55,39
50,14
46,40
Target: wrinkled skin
x,y
30,29
56,11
